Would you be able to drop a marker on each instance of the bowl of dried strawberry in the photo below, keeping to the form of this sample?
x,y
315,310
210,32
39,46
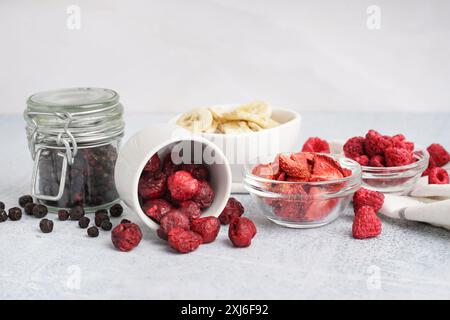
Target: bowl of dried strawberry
x,y
302,190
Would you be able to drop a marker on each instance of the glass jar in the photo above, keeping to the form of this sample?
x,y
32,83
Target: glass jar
x,y
73,136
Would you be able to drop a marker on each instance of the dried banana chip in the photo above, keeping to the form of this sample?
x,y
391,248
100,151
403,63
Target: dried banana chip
x,y
259,108
254,126
235,127
197,120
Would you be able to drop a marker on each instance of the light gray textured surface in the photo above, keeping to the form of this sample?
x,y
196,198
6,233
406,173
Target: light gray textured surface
x,y
408,260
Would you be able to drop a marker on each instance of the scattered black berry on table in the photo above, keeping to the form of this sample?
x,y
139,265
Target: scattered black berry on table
x,y
15,214
29,208
116,210
46,225
99,218
92,232
84,222
125,221
106,225
2,206
101,211
40,211
23,200
3,215
63,215
76,213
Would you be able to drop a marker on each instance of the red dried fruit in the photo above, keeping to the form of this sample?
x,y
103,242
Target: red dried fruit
x,y
377,161
152,186
126,236
346,172
182,186
438,153
354,147
362,160
364,197
205,195
297,168
184,241
156,208
168,166
325,168
173,219
241,232
375,143
198,171
233,209
153,165
318,207
366,224
431,165
315,144
267,171
438,175
191,209
397,157
207,227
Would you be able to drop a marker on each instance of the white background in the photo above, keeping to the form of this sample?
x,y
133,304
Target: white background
x,y
169,55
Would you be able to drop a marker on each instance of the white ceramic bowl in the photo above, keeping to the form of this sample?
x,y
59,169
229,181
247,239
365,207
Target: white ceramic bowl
x,y
135,153
242,148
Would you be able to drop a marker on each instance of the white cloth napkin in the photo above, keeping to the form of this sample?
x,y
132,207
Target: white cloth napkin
x,y
425,202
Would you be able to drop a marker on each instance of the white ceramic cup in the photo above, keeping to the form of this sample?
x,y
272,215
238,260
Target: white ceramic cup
x,y
135,153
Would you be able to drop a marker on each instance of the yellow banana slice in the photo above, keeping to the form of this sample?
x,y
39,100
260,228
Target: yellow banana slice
x,y
259,108
197,120
235,127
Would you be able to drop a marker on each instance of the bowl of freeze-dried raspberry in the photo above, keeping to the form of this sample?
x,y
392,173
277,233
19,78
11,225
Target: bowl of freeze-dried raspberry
x,y
304,189
390,164
166,171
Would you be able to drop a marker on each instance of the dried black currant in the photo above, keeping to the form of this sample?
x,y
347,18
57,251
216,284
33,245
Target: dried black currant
x,y
116,210
23,200
106,225
125,221
29,208
40,211
92,232
76,213
63,215
101,211
99,218
15,214
84,222
2,206
46,225
3,215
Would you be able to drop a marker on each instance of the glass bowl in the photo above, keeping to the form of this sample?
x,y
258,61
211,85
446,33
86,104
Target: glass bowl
x,y
302,204
395,180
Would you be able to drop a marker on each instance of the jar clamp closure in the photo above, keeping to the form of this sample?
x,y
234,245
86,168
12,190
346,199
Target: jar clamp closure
x,y
73,136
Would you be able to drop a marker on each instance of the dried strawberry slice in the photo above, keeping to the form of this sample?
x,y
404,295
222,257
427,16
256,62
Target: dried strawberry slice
x,y
325,168
318,208
295,166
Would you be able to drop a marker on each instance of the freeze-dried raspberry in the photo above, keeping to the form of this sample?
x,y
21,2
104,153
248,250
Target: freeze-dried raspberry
x,y
182,186
168,166
267,171
325,168
397,157
153,165
152,186
156,208
232,209
398,141
315,144
377,161
438,176
431,165
376,143
184,241
294,168
173,219
354,147
438,153
362,160
191,209
366,224
198,171
205,195
241,232
207,227
364,197
126,236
